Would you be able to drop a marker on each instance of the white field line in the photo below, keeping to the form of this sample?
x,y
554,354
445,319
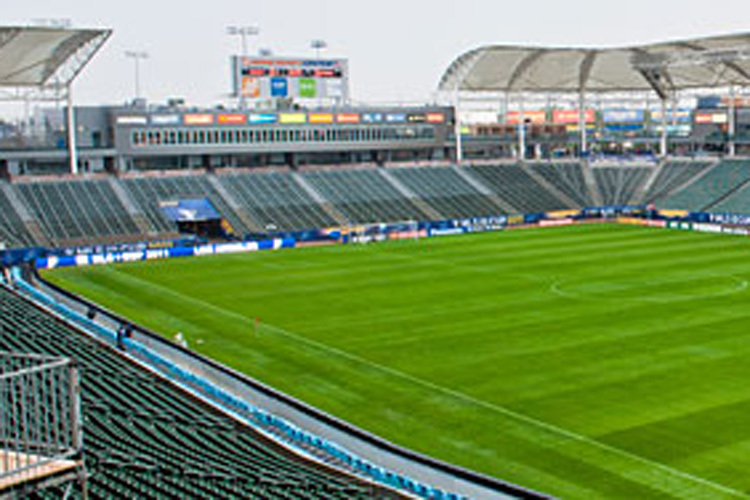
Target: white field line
x,y
459,395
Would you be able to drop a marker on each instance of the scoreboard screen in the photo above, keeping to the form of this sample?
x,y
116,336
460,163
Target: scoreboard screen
x,y
263,78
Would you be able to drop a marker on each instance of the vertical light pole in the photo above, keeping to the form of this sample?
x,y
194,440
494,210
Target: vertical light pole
x,y
137,56
318,45
243,32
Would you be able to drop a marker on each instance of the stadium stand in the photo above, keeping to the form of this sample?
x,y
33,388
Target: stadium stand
x,y
363,195
672,176
143,437
13,232
77,210
710,189
736,200
517,188
72,212
275,200
618,185
567,177
148,191
446,191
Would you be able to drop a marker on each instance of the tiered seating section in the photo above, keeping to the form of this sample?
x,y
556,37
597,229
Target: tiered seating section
x,y
275,200
363,195
12,229
718,184
75,210
566,177
81,211
145,438
618,185
446,191
518,188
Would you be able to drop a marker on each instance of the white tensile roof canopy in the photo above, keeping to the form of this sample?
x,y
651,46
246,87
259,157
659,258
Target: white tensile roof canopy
x,y
45,57
721,61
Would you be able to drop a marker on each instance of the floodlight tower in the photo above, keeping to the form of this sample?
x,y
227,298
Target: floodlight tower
x,y
137,57
243,32
317,45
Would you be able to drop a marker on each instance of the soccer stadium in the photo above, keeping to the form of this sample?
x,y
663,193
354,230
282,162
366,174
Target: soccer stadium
x,y
534,287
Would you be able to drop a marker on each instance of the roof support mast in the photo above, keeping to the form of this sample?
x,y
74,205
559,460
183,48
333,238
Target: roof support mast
x,y
71,126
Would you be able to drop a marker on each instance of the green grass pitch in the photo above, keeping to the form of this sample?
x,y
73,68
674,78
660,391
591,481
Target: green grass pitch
x,y
584,362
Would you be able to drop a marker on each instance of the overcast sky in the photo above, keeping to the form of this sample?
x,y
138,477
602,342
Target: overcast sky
x,y
397,48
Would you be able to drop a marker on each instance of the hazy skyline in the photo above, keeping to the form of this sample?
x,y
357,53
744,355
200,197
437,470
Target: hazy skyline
x,y
397,50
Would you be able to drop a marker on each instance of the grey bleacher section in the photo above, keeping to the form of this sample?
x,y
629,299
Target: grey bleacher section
x,y
446,191
675,175
712,188
148,192
318,198
363,195
276,201
411,195
79,211
124,197
566,177
517,188
13,230
618,185
235,205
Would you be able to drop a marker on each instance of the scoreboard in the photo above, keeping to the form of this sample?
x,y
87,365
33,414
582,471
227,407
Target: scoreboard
x,y
287,77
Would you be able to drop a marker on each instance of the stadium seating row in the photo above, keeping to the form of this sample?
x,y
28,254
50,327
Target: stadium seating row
x,y
83,211
143,437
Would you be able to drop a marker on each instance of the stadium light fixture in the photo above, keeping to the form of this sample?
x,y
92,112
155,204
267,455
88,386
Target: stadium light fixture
x,y
318,45
265,52
243,32
137,56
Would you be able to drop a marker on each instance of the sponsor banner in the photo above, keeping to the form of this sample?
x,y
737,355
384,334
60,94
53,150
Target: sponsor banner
x,y
279,87
308,88
555,222
288,118
395,117
719,117
563,214
685,226
623,127
407,235
162,253
262,118
707,228
446,231
571,116
535,116
131,120
320,117
740,231
515,220
250,87
165,119
232,118
674,214
347,118
416,118
198,119
623,116
435,118
733,219
635,221
334,88
682,115
372,117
